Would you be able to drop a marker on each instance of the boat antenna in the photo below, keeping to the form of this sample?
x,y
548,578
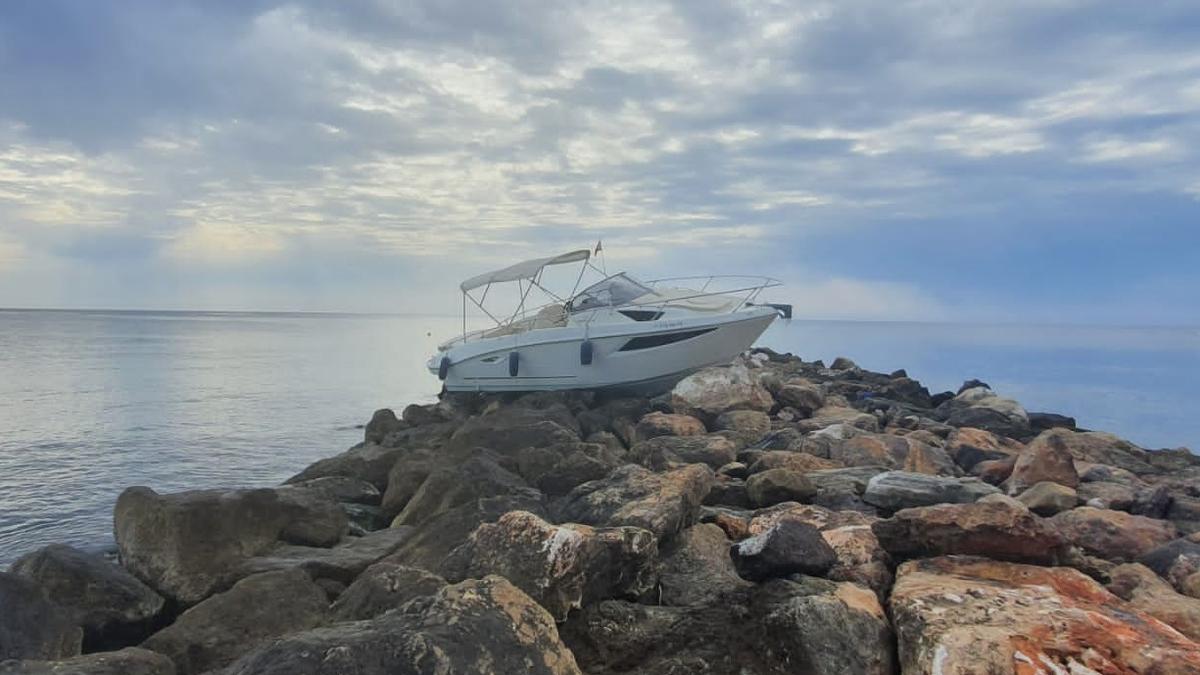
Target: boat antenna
x,y
600,252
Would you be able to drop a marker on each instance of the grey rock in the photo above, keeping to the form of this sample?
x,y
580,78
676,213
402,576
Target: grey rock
x,y
31,625
128,661
788,547
895,490
382,587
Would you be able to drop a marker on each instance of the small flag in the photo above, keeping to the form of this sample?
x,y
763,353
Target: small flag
x,y
599,248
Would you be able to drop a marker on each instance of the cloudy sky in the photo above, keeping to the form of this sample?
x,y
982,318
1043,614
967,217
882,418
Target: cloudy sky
x,y
1022,160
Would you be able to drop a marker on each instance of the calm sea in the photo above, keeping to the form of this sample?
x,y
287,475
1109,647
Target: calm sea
x,y
92,402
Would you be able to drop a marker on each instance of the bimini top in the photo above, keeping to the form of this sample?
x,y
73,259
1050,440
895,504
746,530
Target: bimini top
x,y
523,270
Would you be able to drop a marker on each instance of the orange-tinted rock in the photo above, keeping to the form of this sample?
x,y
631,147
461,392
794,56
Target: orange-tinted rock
x,y
786,459
964,615
895,452
657,424
860,558
1002,529
1113,535
1146,591
969,446
994,471
1096,447
1046,458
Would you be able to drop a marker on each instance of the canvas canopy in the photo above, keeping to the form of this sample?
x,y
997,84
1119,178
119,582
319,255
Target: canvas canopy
x,y
523,270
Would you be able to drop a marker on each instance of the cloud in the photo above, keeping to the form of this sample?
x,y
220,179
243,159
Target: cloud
x,y
824,136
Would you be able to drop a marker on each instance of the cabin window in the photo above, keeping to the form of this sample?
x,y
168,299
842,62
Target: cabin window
x,y
648,341
641,314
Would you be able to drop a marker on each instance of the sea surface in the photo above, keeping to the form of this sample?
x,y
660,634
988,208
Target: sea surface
x,y
92,402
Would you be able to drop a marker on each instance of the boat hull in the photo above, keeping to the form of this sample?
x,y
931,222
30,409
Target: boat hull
x,y
644,356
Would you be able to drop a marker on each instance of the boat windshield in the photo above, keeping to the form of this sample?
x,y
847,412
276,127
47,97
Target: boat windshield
x,y
614,291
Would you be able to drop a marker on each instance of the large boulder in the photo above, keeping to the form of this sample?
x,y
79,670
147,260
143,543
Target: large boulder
x,y
802,397
973,615
1113,535
479,625
893,452
860,558
1175,561
1097,447
841,416
185,544
258,608
743,427
657,423
712,391
383,422
382,587
110,603
427,545
559,566
342,563
696,567
969,446
1145,591
577,468
825,628
1046,498
31,625
1046,458
998,528
774,486
667,452
368,462
786,459
342,489
128,661
896,490
446,488
507,429
405,477
663,503
1108,495
788,547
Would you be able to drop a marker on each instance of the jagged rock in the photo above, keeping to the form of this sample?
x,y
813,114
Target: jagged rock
x,y
383,422
981,408
970,446
849,480
427,545
111,604
734,470
1090,473
1146,592
656,424
786,459
368,462
743,427
559,566
1175,561
1047,498
405,477
894,452
803,398
216,631
31,625
507,430
575,469
894,490
382,587
712,391
128,661
618,417
825,628
1184,512
479,625
696,567
1113,495
341,563
1101,448
631,495
727,491
1046,458
444,489
1000,529
1041,421
779,485
830,415
184,545
342,489
667,452
1113,535
860,558
843,363
994,471
972,615
1152,502
788,547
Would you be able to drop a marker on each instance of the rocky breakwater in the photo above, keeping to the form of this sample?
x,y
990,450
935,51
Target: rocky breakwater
x,y
772,516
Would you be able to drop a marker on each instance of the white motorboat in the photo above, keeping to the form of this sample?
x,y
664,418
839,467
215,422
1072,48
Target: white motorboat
x,y
617,332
